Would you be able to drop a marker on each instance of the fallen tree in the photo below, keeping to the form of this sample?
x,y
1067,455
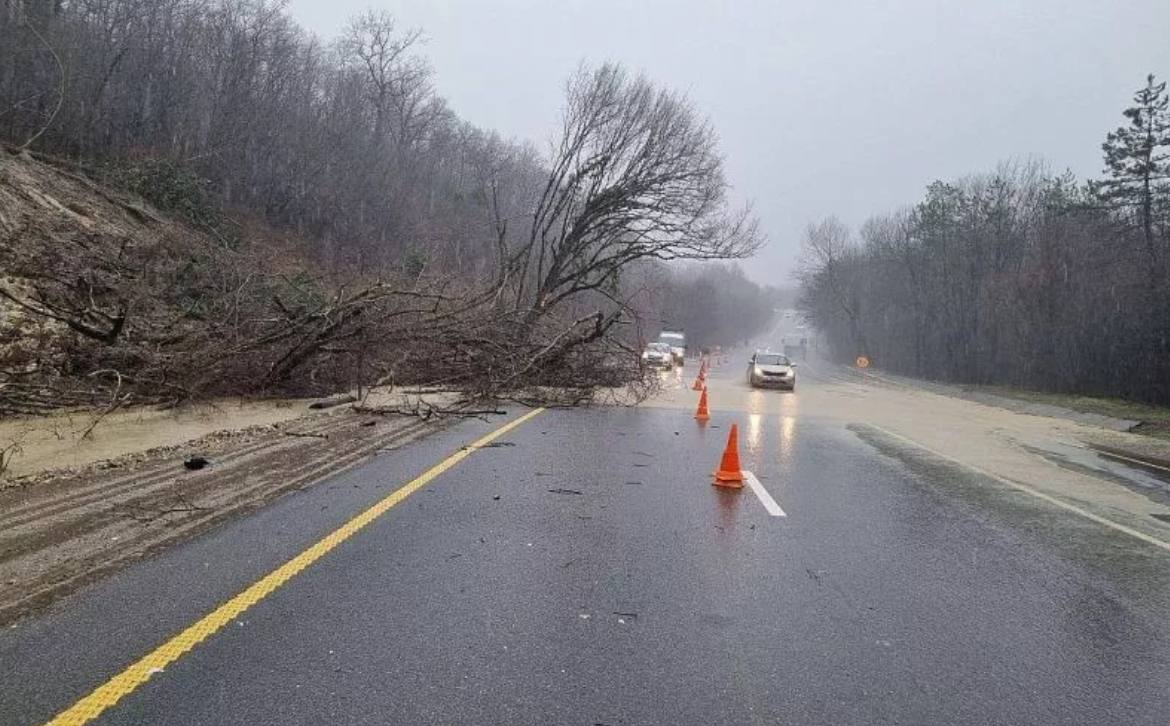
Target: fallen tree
x,y
106,301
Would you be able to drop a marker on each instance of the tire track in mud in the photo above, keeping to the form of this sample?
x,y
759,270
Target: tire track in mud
x,y
54,517
59,538
74,493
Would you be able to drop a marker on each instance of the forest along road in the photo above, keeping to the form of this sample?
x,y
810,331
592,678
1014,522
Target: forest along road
x,y
932,561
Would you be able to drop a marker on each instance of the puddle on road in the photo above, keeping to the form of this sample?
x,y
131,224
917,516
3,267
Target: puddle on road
x,y
1082,460
1127,564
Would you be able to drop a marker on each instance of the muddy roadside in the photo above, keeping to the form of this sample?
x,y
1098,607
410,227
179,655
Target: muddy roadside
x,y
46,446
61,528
1094,439
1132,432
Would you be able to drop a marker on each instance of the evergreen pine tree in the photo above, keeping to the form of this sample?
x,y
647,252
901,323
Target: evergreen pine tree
x,y
1137,161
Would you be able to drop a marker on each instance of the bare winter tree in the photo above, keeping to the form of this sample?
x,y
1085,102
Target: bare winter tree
x,y
396,80
26,25
636,174
828,273
319,218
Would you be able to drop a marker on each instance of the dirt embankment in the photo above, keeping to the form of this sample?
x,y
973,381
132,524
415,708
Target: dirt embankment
x,y
73,440
79,276
107,302
120,500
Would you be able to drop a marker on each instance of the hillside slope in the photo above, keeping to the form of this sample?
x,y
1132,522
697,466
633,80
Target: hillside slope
x,y
88,286
105,300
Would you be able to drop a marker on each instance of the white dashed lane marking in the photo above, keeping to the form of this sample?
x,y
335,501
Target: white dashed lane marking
x,y
763,495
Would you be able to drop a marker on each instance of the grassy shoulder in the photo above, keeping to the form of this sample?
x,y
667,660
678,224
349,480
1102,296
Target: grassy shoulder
x,y
1155,420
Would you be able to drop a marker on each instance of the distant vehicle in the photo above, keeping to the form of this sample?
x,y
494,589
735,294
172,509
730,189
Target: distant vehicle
x,y
677,340
796,346
771,370
658,355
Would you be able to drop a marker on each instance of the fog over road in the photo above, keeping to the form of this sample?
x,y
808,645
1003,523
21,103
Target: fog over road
x,y
940,561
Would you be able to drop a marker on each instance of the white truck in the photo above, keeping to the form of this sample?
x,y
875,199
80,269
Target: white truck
x,y
795,345
677,340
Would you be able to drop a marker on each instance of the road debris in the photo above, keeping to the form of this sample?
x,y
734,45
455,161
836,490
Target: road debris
x,y
195,463
306,435
332,402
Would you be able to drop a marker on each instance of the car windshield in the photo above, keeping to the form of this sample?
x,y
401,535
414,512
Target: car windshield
x,y
765,359
658,348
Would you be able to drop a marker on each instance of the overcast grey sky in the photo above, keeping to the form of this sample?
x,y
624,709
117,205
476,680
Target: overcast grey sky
x,y
843,107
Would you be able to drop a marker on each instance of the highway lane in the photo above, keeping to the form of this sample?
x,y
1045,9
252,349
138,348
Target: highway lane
x,y
581,569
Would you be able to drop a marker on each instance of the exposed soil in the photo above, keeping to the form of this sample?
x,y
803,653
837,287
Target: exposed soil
x,y
77,439
59,530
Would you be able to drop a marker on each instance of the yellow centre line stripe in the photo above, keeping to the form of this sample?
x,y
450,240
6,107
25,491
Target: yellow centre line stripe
x,y
121,685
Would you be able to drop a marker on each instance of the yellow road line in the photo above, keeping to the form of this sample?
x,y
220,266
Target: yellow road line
x,y
1148,539
121,685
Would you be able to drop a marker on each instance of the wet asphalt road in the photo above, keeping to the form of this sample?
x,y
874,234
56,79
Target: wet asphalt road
x,y
584,571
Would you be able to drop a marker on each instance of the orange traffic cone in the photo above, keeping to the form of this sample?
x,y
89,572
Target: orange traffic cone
x,y
729,474
701,414
700,382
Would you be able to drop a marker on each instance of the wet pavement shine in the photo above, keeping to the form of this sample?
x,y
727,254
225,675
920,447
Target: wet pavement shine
x,y
582,570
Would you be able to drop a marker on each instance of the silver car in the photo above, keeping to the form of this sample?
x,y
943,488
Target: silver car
x,y
658,355
771,370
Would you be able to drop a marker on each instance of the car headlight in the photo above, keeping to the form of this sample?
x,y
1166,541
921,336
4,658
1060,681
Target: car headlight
x,y
757,371
645,356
